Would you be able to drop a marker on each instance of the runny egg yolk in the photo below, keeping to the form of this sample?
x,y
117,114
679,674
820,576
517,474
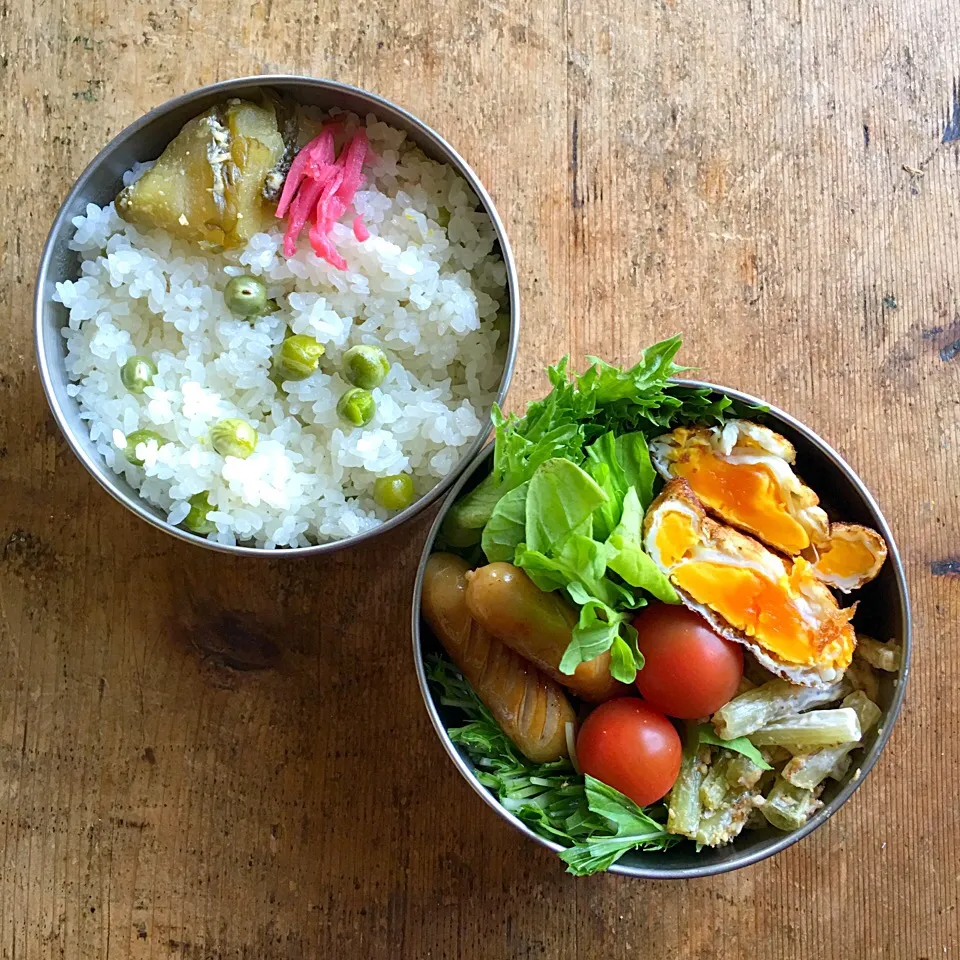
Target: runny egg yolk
x,y
844,558
676,534
745,494
753,603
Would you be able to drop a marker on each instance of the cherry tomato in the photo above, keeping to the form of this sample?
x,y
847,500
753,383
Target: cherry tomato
x,y
631,747
689,671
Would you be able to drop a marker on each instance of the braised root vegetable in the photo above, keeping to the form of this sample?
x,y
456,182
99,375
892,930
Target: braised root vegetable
x,y
538,625
530,708
207,185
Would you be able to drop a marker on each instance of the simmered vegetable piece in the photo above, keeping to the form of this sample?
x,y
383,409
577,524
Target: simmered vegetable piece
x,y
255,147
207,186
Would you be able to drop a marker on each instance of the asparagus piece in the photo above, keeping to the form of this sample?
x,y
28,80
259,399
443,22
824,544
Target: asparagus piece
x,y
809,769
775,699
883,656
683,802
817,728
788,807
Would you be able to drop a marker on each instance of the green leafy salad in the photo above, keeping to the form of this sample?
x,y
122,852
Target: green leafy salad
x,y
571,480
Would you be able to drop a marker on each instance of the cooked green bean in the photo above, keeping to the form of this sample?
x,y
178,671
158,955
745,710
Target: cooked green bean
x,y
365,366
298,357
233,437
772,701
135,438
137,374
742,772
245,296
723,824
196,520
861,676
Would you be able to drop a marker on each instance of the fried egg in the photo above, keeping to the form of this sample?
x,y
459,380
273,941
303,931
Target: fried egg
x,y
851,556
743,473
775,607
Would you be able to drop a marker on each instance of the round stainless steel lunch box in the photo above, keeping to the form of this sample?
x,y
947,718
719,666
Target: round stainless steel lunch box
x,y
145,139
884,613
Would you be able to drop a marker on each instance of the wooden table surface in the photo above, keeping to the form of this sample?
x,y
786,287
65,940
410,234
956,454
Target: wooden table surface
x,y
202,757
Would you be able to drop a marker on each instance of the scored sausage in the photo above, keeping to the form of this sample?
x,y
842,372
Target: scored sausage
x,y
538,625
530,708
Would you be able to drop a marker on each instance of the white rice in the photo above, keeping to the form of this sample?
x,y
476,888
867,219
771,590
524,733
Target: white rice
x,y
427,295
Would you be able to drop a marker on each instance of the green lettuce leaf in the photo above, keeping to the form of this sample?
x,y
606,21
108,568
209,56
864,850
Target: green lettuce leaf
x,y
638,471
506,526
626,557
601,628
581,561
606,469
625,656
576,411
560,501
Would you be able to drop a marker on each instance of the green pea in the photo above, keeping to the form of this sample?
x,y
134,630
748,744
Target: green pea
x,y
246,296
137,374
443,217
365,366
394,492
233,438
357,407
137,437
298,357
196,520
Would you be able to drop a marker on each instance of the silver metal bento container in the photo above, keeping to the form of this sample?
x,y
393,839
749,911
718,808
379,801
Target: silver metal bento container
x,y
99,183
885,608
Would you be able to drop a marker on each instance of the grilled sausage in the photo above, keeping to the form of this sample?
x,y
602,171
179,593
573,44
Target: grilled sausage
x,y
530,708
537,625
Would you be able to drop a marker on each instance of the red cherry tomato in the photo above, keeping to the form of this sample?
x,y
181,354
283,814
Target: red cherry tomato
x,y
631,747
689,671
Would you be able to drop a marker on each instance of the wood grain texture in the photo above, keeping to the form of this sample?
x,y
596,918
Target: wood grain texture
x,y
208,758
